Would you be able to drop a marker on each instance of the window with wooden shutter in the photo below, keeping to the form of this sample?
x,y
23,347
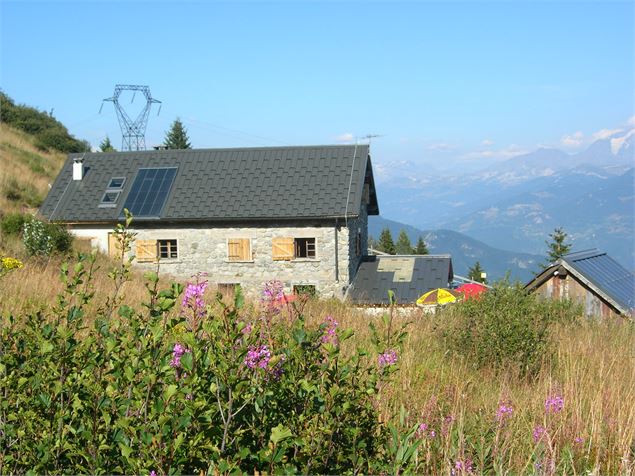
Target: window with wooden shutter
x,y
282,249
146,250
239,249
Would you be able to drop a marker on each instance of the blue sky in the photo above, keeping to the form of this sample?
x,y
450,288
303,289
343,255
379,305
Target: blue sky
x,y
448,84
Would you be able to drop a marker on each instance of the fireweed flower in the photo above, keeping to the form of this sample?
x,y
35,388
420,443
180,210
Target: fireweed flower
x,y
273,297
447,423
462,467
578,441
177,353
424,431
257,357
388,358
153,473
193,297
554,404
538,433
504,411
330,336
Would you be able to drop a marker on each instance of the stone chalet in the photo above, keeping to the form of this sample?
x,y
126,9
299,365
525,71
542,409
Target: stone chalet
x,y
591,278
249,215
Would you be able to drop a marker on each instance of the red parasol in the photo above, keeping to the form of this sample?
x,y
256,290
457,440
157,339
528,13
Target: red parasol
x,y
470,290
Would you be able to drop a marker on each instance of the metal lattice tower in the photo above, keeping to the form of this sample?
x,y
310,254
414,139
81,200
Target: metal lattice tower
x,y
133,132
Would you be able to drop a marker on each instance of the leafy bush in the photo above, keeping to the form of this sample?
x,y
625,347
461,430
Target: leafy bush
x,y
505,327
49,132
37,239
61,238
188,392
13,223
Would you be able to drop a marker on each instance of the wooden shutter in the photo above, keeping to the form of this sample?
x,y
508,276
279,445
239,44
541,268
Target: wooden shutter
x,y
239,249
282,249
146,250
114,249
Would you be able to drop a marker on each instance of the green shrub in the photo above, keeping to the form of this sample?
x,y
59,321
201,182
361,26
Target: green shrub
x,y
37,239
13,223
61,238
188,391
505,327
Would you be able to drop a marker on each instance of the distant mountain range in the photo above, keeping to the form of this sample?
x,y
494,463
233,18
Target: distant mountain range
x,y
465,251
517,203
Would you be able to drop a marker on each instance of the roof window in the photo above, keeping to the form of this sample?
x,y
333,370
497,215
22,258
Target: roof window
x,y
109,200
116,183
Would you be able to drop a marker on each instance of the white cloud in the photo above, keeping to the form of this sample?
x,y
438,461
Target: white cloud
x,y
440,146
605,133
346,137
574,140
501,154
487,143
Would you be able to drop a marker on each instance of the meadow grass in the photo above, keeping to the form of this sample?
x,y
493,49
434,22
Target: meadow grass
x,y
592,367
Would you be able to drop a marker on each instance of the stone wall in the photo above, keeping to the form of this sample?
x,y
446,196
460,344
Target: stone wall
x,y
203,248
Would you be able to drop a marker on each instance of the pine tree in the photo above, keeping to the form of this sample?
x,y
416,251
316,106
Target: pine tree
x,y
475,273
403,246
385,243
176,137
106,145
372,242
421,248
556,248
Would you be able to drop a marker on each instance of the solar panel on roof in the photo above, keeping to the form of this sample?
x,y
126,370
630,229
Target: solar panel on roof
x,y
150,191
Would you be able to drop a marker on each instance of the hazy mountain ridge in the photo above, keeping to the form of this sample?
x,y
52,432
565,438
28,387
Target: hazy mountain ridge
x,y
517,203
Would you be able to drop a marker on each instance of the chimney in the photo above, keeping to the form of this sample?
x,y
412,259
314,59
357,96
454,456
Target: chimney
x,y
78,168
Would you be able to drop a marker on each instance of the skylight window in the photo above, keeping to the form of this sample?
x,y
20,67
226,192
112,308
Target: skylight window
x,y
150,191
116,183
109,199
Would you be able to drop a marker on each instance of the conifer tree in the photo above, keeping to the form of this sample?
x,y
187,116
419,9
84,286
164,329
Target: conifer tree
x,y
421,248
176,137
403,246
106,145
556,248
385,243
475,273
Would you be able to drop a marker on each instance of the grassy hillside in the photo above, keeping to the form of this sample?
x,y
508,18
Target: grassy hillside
x,y
25,171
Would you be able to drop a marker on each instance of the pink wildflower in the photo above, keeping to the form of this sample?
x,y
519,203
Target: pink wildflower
x,y
505,411
177,353
554,404
193,297
330,336
538,433
257,357
388,358
462,467
423,431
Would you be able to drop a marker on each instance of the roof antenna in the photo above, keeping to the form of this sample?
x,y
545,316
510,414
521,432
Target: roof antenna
x,y
370,137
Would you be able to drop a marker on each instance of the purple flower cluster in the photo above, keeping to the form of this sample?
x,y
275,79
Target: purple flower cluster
x,y
554,404
578,441
177,353
447,424
462,467
388,358
273,296
330,336
257,357
504,411
538,433
424,431
193,297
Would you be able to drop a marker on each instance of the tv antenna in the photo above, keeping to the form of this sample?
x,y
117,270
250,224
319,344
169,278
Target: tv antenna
x,y
133,132
370,137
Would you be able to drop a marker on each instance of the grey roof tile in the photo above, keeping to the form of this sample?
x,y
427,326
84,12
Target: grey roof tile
x,y
224,184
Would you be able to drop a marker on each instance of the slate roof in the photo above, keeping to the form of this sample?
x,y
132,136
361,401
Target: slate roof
x,y
408,276
224,184
605,276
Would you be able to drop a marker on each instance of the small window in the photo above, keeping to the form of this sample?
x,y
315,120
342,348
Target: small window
x,y
227,288
305,290
109,199
116,183
304,247
239,249
168,249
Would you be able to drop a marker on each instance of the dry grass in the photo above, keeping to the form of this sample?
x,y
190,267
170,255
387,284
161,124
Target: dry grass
x,y
593,369
25,171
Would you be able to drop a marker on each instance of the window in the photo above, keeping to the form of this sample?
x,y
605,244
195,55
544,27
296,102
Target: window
x,y
167,249
227,288
109,199
305,290
150,250
287,249
239,249
116,183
